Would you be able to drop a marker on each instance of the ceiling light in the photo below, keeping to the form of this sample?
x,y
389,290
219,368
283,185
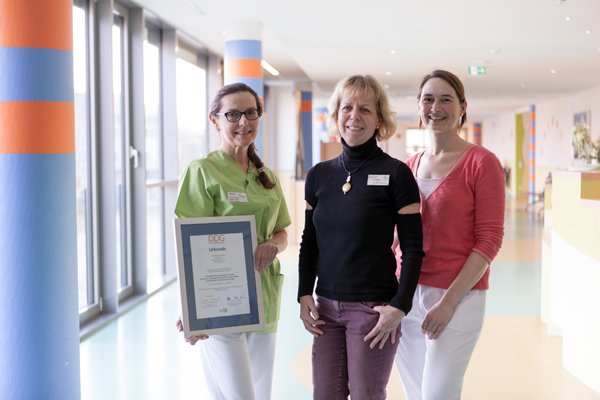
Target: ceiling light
x,y
393,51
495,51
567,18
388,73
588,31
386,86
552,71
522,85
268,67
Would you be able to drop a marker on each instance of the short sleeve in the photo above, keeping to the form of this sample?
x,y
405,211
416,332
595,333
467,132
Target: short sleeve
x,y
194,199
283,216
406,191
309,188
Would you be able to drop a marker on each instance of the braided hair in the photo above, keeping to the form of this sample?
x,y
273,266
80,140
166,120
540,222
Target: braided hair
x,y
215,107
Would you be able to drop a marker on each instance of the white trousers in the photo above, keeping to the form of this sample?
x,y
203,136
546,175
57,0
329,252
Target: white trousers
x,y
239,366
435,369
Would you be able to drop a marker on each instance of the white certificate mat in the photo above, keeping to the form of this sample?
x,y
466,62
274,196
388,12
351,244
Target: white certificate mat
x,y
220,289
219,275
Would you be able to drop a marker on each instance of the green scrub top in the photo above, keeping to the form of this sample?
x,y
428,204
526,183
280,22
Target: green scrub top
x,y
203,192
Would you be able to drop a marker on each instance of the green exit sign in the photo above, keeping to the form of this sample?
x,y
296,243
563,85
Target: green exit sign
x,y
475,70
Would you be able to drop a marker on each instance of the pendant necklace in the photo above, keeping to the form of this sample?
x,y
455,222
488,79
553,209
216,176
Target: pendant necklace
x,y
347,186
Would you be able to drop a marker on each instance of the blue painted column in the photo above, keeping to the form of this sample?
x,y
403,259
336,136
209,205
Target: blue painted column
x,y
243,56
477,133
306,125
39,316
532,154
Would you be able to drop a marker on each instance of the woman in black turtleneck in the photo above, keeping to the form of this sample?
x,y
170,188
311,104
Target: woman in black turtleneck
x,y
353,203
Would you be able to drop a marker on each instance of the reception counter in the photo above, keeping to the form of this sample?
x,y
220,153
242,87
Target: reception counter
x,y
572,278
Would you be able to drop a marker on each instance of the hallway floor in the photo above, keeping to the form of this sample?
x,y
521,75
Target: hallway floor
x,y
142,356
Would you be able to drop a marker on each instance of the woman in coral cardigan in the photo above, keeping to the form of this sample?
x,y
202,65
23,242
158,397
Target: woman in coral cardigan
x,y
462,207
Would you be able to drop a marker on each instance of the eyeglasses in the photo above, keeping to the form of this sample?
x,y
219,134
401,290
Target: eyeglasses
x,y
235,116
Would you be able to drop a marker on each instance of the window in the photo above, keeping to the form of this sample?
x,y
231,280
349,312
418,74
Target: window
x,y
81,81
191,105
416,140
121,141
154,162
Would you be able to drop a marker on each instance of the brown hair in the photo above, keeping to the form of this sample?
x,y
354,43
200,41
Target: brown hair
x,y
215,107
452,81
362,85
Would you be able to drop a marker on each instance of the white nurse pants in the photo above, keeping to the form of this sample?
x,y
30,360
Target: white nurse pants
x,y
239,366
434,369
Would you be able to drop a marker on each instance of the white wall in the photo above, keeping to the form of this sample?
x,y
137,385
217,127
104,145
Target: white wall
x,y
498,136
281,120
396,145
554,124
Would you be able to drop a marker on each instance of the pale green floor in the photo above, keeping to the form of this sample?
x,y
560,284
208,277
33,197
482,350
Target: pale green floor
x,y
142,356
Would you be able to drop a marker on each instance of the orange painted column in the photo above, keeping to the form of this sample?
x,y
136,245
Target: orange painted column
x,y
243,56
532,154
477,133
39,316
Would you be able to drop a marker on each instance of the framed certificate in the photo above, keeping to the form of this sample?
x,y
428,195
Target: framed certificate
x,y
220,290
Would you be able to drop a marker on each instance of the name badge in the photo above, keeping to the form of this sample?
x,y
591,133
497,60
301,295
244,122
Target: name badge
x,y
235,197
378,180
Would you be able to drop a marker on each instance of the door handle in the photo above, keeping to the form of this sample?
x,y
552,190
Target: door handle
x,y
135,155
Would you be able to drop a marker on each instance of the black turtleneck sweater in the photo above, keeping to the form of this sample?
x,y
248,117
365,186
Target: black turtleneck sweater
x,y
348,237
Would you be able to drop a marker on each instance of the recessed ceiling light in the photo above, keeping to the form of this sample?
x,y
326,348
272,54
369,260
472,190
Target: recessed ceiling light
x,y
522,85
552,71
495,51
386,86
393,51
588,31
388,73
224,33
567,18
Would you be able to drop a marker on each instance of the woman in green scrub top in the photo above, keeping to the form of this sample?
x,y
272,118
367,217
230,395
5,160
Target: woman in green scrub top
x,y
234,181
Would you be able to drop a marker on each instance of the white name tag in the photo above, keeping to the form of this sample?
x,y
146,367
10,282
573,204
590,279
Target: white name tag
x,y
378,180
235,197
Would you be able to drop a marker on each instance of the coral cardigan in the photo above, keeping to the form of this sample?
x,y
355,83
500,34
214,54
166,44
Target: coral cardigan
x,y
463,213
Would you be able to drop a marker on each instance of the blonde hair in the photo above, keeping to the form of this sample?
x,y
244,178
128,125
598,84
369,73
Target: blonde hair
x,y
362,85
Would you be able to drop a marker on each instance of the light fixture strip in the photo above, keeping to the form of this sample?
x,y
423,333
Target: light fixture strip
x,y
269,68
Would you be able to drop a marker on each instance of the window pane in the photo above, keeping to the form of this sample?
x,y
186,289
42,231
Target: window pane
x,y
154,172
191,112
119,139
80,77
416,140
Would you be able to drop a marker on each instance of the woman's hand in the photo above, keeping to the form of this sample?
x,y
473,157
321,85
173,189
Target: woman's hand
x,y
191,340
265,254
310,316
389,318
436,320
267,251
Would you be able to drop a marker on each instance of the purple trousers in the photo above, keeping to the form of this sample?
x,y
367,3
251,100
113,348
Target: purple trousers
x,y
342,362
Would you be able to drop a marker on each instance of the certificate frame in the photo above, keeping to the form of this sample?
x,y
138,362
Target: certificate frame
x,y
188,230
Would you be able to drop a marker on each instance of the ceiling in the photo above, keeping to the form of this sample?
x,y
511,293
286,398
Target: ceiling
x,y
520,42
